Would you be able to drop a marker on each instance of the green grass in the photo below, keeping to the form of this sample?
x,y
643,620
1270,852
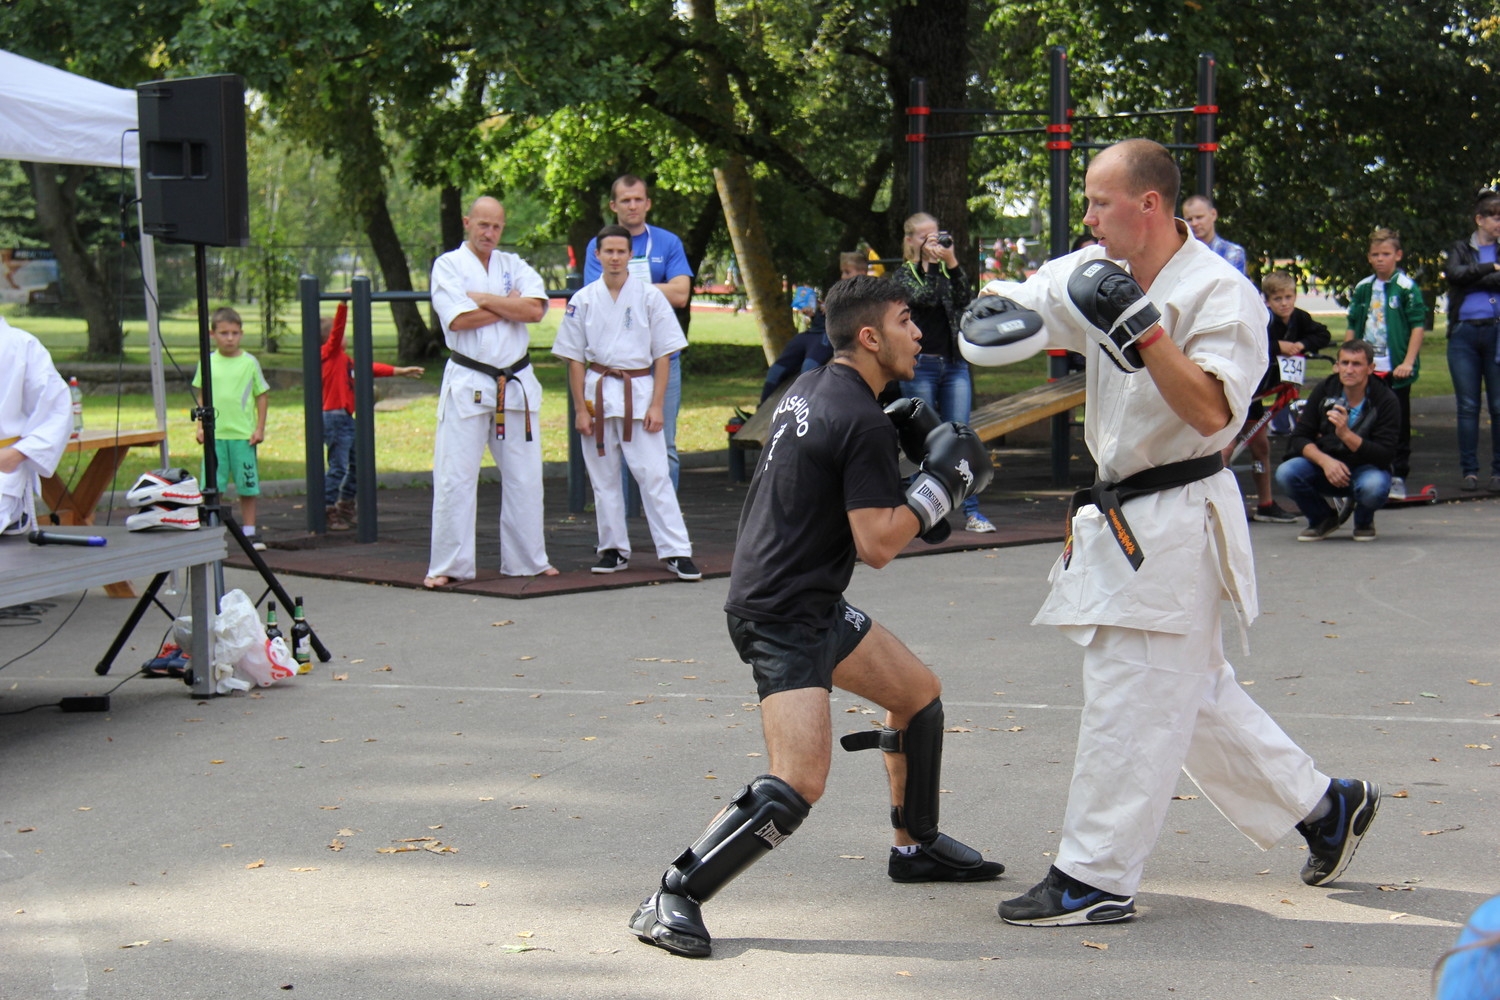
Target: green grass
x,y
404,437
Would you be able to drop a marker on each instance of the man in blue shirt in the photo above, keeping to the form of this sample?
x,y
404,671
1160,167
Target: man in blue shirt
x,y
1199,213
656,256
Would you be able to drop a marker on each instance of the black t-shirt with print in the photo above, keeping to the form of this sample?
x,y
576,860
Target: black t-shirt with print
x,y
831,449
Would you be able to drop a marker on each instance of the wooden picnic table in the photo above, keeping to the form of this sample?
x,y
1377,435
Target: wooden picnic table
x,y
77,505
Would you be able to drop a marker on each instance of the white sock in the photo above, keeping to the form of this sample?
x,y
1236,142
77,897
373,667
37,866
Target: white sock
x,y
907,849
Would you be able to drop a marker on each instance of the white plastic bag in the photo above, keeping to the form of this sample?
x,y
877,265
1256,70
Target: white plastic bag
x,y
240,644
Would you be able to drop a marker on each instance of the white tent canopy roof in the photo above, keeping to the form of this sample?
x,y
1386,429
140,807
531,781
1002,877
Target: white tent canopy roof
x,y
48,115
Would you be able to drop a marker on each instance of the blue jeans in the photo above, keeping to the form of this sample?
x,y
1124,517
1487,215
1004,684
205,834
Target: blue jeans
x,y
338,436
1302,480
1472,362
947,387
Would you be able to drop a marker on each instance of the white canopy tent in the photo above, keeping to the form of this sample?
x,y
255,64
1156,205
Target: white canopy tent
x,y
48,115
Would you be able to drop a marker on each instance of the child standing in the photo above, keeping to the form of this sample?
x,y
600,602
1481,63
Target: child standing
x,y
1291,332
617,336
338,418
1387,310
240,405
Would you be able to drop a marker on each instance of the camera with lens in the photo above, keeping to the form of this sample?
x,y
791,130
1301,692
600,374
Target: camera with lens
x,y
944,240
1329,402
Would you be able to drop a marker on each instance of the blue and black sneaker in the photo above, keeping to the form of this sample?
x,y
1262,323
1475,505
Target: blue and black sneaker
x,y
1060,900
1331,840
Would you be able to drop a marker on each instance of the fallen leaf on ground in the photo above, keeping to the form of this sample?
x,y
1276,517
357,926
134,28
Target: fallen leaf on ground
x,y
257,864
1016,729
852,857
524,934
501,624
334,740
395,850
1428,694
1446,829
1399,795
1479,683
361,660
135,944
904,973
301,869
1096,944
335,844
341,677
1476,746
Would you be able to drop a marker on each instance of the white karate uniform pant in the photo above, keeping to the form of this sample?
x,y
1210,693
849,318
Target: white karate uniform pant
x,y
1154,702
646,455
458,448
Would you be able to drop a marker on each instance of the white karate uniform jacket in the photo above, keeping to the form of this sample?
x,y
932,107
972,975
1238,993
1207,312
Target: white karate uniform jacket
x,y
35,406
629,332
1217,318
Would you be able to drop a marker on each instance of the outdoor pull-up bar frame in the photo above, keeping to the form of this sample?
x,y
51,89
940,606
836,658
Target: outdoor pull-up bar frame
x,y
1060,145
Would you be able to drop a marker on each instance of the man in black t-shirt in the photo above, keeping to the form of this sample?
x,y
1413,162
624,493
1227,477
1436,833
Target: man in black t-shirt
x,y
827,490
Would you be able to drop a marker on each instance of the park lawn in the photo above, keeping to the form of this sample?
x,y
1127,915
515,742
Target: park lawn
x,y
404,436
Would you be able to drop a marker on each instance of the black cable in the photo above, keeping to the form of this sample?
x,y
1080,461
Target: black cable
x,y
44,642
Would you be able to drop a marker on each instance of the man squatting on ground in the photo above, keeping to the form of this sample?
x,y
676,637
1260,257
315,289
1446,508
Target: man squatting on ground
x,y
828,489
489,399
617,335
1175,344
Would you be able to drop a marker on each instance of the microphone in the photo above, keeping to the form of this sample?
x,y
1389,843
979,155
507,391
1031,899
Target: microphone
x,y
58,538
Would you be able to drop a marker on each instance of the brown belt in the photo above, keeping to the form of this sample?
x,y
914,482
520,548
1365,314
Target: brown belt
x,y
626,374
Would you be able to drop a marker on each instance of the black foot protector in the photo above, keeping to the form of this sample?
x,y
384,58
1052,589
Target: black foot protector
x,y
941,859
762,815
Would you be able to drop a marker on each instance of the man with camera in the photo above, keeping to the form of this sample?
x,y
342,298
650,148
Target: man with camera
x,y
939,290
1342,446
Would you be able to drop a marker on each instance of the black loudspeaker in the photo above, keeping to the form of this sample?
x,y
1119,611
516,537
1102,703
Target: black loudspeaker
x,y
194,187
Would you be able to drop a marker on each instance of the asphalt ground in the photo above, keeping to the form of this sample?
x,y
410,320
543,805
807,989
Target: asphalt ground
x,y
560,751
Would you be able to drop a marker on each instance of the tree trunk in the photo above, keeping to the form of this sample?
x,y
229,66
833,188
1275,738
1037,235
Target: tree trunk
x,y
362,178
929,39
57,216
752,248
414,341
752,244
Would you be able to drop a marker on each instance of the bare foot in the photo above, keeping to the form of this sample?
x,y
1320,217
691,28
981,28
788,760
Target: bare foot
x,y
436,582
550,571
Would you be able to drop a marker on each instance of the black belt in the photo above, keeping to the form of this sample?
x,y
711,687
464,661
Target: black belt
x,y
1480,322
1109,497
501,376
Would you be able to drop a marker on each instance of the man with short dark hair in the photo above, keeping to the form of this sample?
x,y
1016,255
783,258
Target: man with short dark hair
x,y
657,256
1342,446
828,489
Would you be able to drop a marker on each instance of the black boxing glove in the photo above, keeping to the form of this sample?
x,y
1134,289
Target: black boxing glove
x,y
957,466
1113,301
914,420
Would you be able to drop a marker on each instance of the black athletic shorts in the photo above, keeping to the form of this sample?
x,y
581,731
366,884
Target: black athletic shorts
x,y
788,656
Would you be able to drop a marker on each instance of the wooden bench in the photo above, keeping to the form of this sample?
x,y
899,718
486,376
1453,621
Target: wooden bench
x,y
990,421
1028,407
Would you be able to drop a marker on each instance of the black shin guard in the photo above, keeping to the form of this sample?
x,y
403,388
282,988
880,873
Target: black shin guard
x,y
761,815
922,743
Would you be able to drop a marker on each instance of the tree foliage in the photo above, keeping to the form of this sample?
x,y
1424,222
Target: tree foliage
x,y
1335,117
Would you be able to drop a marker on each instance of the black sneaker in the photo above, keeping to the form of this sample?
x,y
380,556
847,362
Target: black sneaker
x,y
1061,901
674,923
943,860
684,568
1274,513
1331,840
1318,532
610,561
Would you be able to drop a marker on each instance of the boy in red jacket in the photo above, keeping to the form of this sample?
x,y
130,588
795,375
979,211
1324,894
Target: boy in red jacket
x,y
338,418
